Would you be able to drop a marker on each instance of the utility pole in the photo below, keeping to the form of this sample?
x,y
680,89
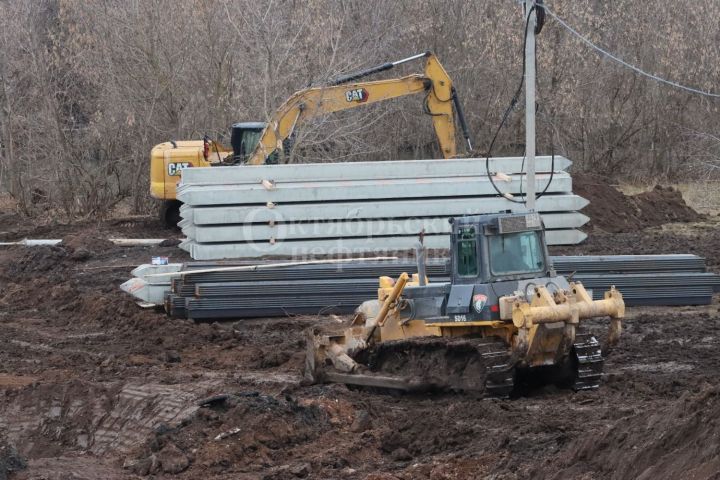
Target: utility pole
x,y
531,19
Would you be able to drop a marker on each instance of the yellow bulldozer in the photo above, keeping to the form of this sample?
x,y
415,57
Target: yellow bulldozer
x,y
504,321
257,143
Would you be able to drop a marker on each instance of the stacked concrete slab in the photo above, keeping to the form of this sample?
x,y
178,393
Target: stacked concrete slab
x,y
363,207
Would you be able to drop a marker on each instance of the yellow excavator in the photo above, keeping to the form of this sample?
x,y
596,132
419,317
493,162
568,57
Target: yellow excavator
x,y
257,143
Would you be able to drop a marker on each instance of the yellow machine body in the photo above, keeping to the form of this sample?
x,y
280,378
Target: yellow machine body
x,y
537,333
169,158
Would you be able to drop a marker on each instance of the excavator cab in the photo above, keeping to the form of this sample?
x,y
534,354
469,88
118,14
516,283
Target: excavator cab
x,y
244,138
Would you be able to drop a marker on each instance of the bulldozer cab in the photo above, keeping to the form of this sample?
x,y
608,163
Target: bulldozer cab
x,y
498,247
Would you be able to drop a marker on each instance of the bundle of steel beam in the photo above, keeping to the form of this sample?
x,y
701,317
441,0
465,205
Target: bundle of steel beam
x,y
205,308
657,279
670,296
318,289
370,269
629,263
360,207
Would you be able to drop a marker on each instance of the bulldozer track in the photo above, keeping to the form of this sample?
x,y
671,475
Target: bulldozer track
x,y
492,375
500,380
588,356
484,366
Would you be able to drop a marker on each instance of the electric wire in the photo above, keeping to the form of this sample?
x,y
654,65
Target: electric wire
x,y
623,62
516,96
505,116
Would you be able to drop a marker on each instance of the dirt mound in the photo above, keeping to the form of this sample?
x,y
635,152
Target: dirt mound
x,y
677,443
57,279
433,363
612,211
30,263
88,243
664,205
7,220
15,227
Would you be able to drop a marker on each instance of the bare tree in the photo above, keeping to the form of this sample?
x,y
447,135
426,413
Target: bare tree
x,y
87,88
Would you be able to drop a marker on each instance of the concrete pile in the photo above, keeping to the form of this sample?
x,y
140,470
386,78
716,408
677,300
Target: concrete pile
x,y
365,207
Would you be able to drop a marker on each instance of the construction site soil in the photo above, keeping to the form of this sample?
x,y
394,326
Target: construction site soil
x,y
92,386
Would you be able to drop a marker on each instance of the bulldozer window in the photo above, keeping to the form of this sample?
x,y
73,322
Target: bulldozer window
x,y
516,253
467,253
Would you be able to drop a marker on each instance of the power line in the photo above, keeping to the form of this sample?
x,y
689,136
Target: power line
x,y
623,62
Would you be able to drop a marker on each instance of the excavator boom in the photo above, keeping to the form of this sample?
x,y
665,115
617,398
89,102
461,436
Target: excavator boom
x,y
313,102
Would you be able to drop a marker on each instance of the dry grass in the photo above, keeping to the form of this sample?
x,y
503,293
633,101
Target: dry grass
x,y
7,203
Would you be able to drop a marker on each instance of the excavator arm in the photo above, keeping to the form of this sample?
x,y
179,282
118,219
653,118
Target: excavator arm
x,y
441,103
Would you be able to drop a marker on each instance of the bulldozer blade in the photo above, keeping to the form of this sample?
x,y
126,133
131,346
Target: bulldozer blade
x,y
381,381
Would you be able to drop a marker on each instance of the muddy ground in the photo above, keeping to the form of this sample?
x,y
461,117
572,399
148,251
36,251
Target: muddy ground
x,y
92,386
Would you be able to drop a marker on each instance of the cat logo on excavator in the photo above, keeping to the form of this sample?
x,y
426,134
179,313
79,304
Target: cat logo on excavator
x,y
359,95
175,167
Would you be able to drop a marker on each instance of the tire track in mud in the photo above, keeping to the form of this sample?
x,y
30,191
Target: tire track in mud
x,y
98,417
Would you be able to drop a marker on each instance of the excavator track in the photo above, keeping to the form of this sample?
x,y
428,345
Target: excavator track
x,y
588,360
